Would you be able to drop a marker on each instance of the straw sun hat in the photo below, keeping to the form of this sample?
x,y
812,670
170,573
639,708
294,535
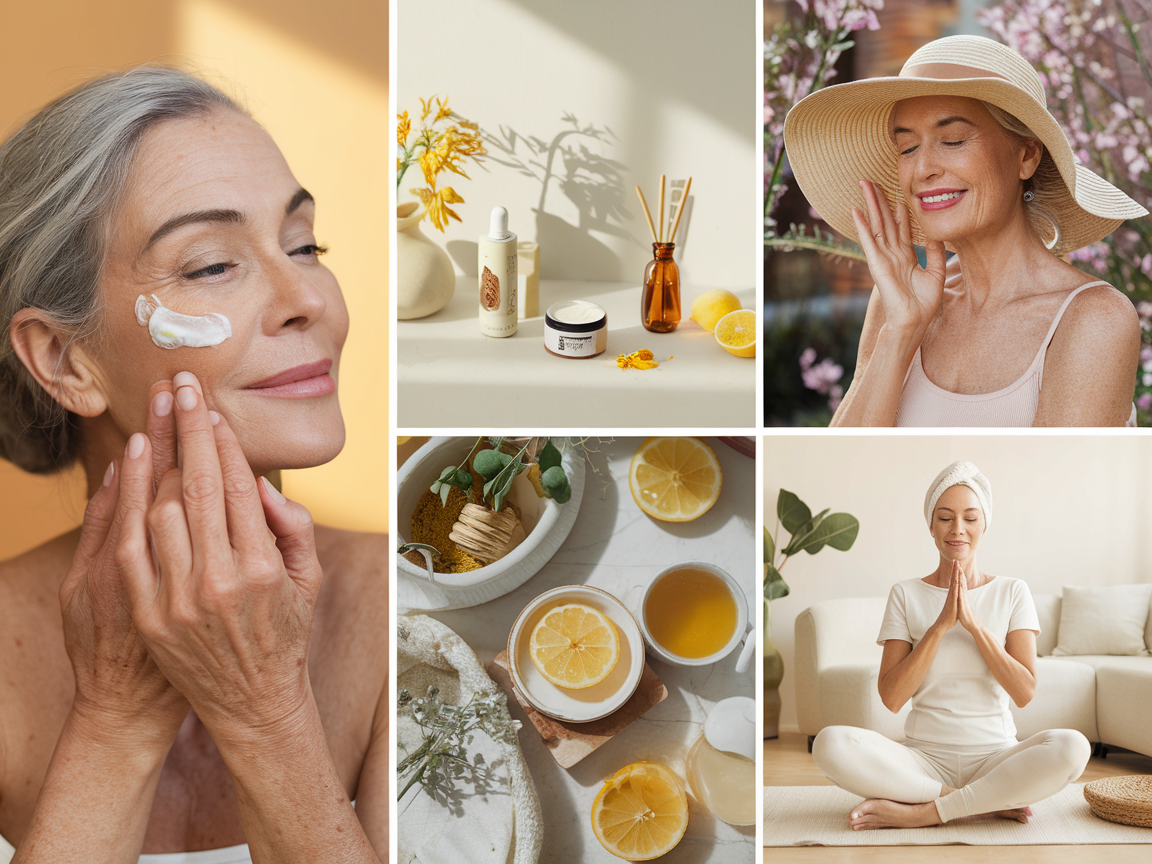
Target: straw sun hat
x,y
838,136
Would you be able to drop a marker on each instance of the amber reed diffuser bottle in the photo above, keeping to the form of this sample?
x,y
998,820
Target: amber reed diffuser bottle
x,y
660,306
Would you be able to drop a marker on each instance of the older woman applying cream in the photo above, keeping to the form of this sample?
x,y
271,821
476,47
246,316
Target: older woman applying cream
x,y
211,679
960,154
958,644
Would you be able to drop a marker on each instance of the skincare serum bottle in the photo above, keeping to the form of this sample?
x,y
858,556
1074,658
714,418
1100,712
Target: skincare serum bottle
x,y
497,269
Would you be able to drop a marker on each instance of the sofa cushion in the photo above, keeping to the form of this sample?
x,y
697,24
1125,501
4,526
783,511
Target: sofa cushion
x,y
1108,620
1048,612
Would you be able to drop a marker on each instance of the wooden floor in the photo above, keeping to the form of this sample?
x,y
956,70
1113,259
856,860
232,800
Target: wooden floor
x,y
788,763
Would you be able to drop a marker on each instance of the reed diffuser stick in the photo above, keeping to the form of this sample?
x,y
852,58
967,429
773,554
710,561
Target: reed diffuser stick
x,y
660,216
647,215
680,210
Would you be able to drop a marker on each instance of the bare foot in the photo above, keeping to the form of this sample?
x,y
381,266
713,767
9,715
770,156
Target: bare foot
x,y
882,813
1020,814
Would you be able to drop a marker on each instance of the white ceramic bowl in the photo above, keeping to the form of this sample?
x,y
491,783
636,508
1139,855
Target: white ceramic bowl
x,y
591,703
546,525
740,631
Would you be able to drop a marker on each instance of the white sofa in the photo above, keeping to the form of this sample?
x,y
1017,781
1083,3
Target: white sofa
x,y
1108,698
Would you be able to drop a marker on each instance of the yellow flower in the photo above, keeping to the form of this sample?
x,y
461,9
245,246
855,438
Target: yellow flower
x,y
403,127
444,111
436,203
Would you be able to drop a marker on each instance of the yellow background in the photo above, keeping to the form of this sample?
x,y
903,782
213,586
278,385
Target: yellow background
x,y
316,76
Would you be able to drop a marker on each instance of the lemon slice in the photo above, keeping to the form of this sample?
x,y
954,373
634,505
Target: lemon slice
x,y
641,813
574,646
674,479
736,333
711,306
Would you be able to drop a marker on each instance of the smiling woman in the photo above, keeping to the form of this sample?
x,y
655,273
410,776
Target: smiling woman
x,y
959,154
214,673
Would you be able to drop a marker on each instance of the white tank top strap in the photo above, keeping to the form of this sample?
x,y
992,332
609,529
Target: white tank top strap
x,y
1039,360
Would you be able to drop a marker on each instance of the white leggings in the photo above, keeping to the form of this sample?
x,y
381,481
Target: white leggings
x,y
986,780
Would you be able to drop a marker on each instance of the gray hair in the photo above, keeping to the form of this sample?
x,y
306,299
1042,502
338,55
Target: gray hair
x,y
61,176
1046,184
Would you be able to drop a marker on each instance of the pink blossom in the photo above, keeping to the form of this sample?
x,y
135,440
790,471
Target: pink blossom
x,y
1144,401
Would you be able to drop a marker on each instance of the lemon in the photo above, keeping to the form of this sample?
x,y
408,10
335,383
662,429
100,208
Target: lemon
x,y
574,646
641,813
713,305
736,333
674,479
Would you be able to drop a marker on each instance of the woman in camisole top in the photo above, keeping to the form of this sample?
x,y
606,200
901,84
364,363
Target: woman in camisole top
x,y
198,673
1004,333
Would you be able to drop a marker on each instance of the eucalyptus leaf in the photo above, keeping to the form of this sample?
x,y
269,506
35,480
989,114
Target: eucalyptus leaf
x,y
774,585
792,511
554,482
549,457
489,463
769,547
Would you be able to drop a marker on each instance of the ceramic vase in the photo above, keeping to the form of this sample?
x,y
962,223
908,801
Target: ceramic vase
x,y
426,279
773,675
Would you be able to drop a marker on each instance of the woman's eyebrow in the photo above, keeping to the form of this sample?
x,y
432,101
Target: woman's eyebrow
x,y
228,216
296,200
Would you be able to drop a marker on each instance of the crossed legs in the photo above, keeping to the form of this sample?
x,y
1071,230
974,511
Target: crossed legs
x,y
908,788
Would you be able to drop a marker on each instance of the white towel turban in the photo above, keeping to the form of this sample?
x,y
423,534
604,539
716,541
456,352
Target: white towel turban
x,y
960,474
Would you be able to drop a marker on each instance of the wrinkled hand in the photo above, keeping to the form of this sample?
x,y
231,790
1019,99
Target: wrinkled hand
x,y
910,294
120,692
226,608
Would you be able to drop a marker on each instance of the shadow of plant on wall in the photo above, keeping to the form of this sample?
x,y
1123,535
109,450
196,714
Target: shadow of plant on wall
x,y
568,164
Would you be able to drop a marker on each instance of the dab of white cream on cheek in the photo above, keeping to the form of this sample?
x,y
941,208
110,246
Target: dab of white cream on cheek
x,y
170,329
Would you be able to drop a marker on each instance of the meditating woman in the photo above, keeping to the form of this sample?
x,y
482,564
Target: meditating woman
x,y
959,644
197,669
959,154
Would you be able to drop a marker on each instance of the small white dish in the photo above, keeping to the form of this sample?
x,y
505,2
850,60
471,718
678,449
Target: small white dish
x,y
739,633
591,703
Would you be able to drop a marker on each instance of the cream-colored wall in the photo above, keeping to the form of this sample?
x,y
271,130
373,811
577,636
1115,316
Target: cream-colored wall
x,y
670,85
318,80
1070,510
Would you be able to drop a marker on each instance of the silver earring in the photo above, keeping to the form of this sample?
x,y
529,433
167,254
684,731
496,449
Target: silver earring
x,y
1029,195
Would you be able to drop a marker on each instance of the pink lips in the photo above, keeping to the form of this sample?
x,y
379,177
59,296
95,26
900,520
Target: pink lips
x,y
939,205
300,382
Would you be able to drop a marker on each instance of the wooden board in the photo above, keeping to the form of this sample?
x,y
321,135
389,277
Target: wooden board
x,y
570,742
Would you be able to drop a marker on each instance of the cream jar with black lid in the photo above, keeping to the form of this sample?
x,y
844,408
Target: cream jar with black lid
x,y
576,329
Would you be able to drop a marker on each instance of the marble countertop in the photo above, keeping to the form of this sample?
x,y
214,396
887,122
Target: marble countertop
x,y
445,360
616,547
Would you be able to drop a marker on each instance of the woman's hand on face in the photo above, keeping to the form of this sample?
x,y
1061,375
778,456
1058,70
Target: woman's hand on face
x,y
226,610
910,294
120,692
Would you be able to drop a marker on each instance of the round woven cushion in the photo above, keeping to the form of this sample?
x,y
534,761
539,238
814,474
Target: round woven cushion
x,y
1127,800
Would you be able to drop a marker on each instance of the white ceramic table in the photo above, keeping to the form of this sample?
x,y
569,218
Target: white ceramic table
x,y
614,546
449,375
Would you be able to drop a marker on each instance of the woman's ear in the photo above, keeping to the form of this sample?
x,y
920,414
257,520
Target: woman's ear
x,y
62,368
1030,157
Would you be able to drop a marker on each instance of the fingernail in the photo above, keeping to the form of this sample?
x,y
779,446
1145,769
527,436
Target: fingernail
x,y
162,404
186,397
109,472
186,379
135,445
273,491
214,417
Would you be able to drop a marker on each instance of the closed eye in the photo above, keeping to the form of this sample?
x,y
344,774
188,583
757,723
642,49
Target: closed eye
x,y
909,150
310,250
211,270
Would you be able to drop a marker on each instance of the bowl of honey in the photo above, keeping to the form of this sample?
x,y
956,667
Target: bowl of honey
x,y
693,614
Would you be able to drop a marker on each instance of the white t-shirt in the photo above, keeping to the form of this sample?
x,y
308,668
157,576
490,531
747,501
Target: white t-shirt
x,y
959,702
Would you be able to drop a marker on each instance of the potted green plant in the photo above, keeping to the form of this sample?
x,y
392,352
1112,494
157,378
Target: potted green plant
x,y
809,534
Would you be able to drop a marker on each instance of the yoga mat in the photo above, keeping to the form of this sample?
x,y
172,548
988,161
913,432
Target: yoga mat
x,y
818,816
